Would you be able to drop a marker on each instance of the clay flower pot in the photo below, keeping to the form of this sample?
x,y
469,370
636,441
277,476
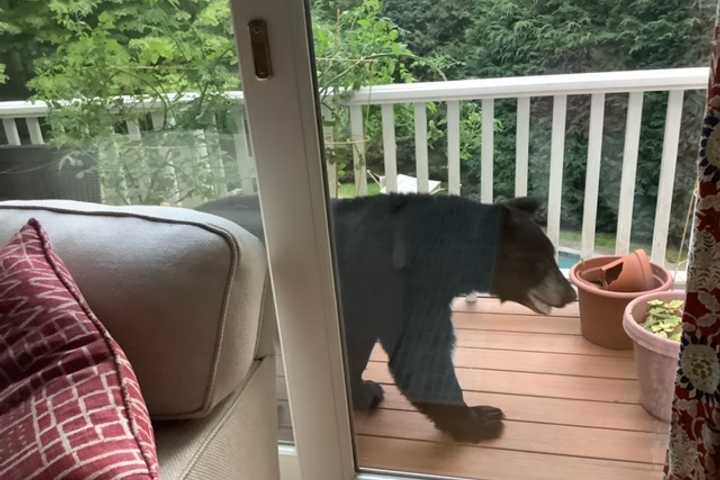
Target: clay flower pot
x,y
631,273
601,310
656,358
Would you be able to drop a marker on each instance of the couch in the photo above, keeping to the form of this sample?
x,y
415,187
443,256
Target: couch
x,y
186,294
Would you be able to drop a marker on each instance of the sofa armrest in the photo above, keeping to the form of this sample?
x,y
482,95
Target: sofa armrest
x,y
237,441
183,292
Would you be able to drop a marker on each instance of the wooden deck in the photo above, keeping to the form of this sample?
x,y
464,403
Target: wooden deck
x,y
572,407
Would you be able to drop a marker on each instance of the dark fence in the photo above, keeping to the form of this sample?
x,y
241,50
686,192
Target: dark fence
x,y
33,172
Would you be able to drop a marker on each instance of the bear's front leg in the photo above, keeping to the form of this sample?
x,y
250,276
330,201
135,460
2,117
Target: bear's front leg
x,y
424,372
464,423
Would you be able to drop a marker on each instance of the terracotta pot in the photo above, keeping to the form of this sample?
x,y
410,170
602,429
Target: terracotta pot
x,y
631,273
656,358
601,311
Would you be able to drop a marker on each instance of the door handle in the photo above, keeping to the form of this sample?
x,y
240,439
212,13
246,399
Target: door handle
x,y
260,45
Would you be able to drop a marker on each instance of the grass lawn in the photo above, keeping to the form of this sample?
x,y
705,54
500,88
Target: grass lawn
x,y
605,245
347,190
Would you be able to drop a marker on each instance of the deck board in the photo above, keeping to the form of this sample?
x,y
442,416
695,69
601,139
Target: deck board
x,y
517,323
491,464
557,411
534,342
549,438
571,407
532,384
537,362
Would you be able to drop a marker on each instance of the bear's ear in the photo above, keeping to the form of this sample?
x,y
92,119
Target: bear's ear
x,y
529,205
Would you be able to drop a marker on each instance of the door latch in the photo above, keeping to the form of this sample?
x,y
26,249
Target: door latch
x,y
260,49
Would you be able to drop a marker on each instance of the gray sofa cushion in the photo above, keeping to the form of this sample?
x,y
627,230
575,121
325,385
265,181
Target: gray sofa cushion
x,y
180,290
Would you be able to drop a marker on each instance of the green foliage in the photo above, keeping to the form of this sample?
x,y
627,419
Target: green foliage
x,y
155,51
664,319
98,50
434,28
503,38
358,47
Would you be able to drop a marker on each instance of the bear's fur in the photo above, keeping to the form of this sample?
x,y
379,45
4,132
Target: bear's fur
x,y
401,259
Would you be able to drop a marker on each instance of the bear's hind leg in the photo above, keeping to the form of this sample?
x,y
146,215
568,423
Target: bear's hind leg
x,y
366,394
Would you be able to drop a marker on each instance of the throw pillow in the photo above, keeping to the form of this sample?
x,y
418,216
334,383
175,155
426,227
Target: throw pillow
x,y
70,404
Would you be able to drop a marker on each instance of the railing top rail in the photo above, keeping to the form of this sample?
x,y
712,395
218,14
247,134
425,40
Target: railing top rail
x,y
508,87
536,86
38,108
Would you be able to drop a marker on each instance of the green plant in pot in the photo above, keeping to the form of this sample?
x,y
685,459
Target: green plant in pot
x,y
664,319
654,323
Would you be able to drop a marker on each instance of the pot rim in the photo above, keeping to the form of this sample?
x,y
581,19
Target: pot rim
x,y
645,339
582,284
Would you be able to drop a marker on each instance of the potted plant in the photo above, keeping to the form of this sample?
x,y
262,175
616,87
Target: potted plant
x,y
605,287
654,323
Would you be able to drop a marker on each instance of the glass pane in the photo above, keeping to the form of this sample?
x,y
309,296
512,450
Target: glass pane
x,y
433,356
129,103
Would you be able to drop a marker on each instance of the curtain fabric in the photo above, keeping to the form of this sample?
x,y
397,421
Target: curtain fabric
x,y
694,449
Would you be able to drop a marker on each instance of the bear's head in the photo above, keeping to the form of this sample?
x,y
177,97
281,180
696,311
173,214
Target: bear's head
x,y
525,267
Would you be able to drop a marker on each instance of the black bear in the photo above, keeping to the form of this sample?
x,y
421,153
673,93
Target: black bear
x,y
401,259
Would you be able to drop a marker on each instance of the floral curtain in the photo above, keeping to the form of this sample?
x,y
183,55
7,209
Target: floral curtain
x,y
694,452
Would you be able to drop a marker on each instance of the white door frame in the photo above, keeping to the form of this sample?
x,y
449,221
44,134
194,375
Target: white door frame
x,y
285,132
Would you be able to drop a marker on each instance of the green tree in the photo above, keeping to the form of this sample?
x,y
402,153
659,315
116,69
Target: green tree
x,y
157,52
526,37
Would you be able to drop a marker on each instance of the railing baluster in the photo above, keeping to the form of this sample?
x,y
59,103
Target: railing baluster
x,y
421,148
557,154
667,175
453,143
242,154
134,134
133,128
157,119
629,169
487,150
330,152
522,143
215,159
11,131
36,136
358,149
592,175
389,147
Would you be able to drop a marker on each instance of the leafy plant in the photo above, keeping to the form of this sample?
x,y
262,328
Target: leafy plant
x,y
135,62
102,66
664,319
359,47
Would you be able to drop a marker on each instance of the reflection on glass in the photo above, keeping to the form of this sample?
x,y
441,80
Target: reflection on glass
x,y
133,102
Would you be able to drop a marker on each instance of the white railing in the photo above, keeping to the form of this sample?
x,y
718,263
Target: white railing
x,y
559,87
31,112
453,93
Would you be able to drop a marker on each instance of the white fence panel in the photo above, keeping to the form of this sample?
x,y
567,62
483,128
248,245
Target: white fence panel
x,y
522,146
629,172
11,131
453,146
421,148
557,156
358,149
36,135
487,150
592,175
667,176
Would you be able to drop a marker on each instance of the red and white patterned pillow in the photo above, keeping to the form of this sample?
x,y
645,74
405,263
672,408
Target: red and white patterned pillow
x,y
70,404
